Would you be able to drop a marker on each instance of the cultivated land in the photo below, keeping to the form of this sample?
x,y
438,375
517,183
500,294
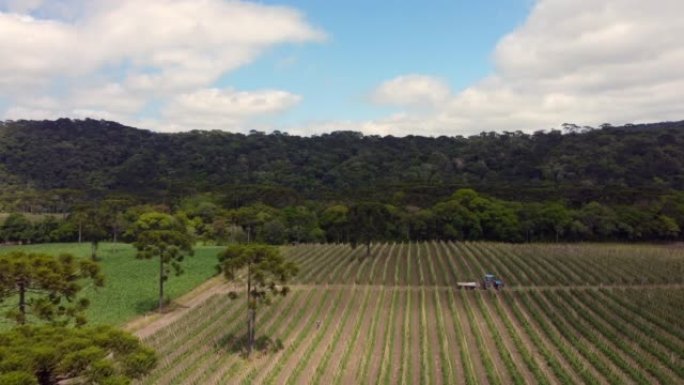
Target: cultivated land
x,y
131,287
596,314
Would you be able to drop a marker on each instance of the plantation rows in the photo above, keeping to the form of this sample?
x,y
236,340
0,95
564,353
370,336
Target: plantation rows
x,y
443,264
409,327
386,335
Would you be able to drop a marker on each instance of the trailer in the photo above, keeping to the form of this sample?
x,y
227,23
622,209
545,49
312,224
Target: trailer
x,y
467,285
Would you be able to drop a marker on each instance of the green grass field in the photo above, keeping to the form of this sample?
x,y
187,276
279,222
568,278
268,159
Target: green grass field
x,y
131,285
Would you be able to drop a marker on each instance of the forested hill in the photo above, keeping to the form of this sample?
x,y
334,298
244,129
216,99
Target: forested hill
x,y
577,164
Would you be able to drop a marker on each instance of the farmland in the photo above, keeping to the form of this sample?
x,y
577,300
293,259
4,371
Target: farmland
x,y
130,284
570,314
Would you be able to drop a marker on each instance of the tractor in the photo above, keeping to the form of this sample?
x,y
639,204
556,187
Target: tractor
x,y
490,280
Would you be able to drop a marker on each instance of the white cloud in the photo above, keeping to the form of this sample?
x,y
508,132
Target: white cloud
x,y
412,91
114,56
224,109
581,61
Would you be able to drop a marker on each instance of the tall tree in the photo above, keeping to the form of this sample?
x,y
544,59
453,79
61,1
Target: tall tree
x,y
16,228
51,355
45,286
267,273
94,228
368,221
163,236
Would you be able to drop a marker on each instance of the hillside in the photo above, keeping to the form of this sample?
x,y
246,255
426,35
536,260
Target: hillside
x,y
611,164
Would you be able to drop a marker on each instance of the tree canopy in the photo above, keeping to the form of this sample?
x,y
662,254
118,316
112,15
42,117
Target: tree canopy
x,y
48,355
162,236
45,287
266,272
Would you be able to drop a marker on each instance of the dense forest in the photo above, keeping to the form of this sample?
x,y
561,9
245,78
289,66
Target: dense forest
x,y
575,183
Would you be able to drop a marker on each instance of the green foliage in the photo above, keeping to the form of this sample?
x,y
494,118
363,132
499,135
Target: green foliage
x,y
46,287
128,291
267,273
47,355
162,236
367,221
16,228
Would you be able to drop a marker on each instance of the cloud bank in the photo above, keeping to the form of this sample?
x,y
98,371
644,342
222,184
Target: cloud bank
x,y
580,61
116,58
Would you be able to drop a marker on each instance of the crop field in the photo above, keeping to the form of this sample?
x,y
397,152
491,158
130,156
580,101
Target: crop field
x,y
131,287
569,314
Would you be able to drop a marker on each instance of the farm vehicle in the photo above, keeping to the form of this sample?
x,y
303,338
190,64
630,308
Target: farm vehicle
x,y
489,280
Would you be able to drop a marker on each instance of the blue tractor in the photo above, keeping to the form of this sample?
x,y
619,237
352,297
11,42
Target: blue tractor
x,y
490,280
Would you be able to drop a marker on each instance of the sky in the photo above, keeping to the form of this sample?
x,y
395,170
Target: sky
x,y
306,67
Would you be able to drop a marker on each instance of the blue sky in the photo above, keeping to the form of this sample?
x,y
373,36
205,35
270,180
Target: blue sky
x,y
380,67
371,41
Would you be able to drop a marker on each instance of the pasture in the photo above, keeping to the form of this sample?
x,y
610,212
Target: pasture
x,y
569,314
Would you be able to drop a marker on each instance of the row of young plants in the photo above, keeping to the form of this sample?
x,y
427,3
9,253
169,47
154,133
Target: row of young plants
x,y
178,353
279,327
203,357
561,264
561,321
320,332
367,358
325,363
222,363
638,353
344,362
620,330
292,337
195,336
384,374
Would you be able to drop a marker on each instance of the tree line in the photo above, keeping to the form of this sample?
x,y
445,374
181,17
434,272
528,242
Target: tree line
x,y
45,165
464,215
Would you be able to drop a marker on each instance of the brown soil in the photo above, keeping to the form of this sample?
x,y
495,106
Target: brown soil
x,y
508,342
452,338
379,345
397,333
356,357
470,341
349,302
434,338
338,349
488,340
415,349
262,365
149,324
556,353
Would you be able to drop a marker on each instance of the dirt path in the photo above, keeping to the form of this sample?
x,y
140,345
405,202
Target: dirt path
x,y
149,324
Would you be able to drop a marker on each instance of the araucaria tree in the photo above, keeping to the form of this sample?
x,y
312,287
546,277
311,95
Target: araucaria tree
x,y
267,273
50,355
45,286
163,236
367,221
